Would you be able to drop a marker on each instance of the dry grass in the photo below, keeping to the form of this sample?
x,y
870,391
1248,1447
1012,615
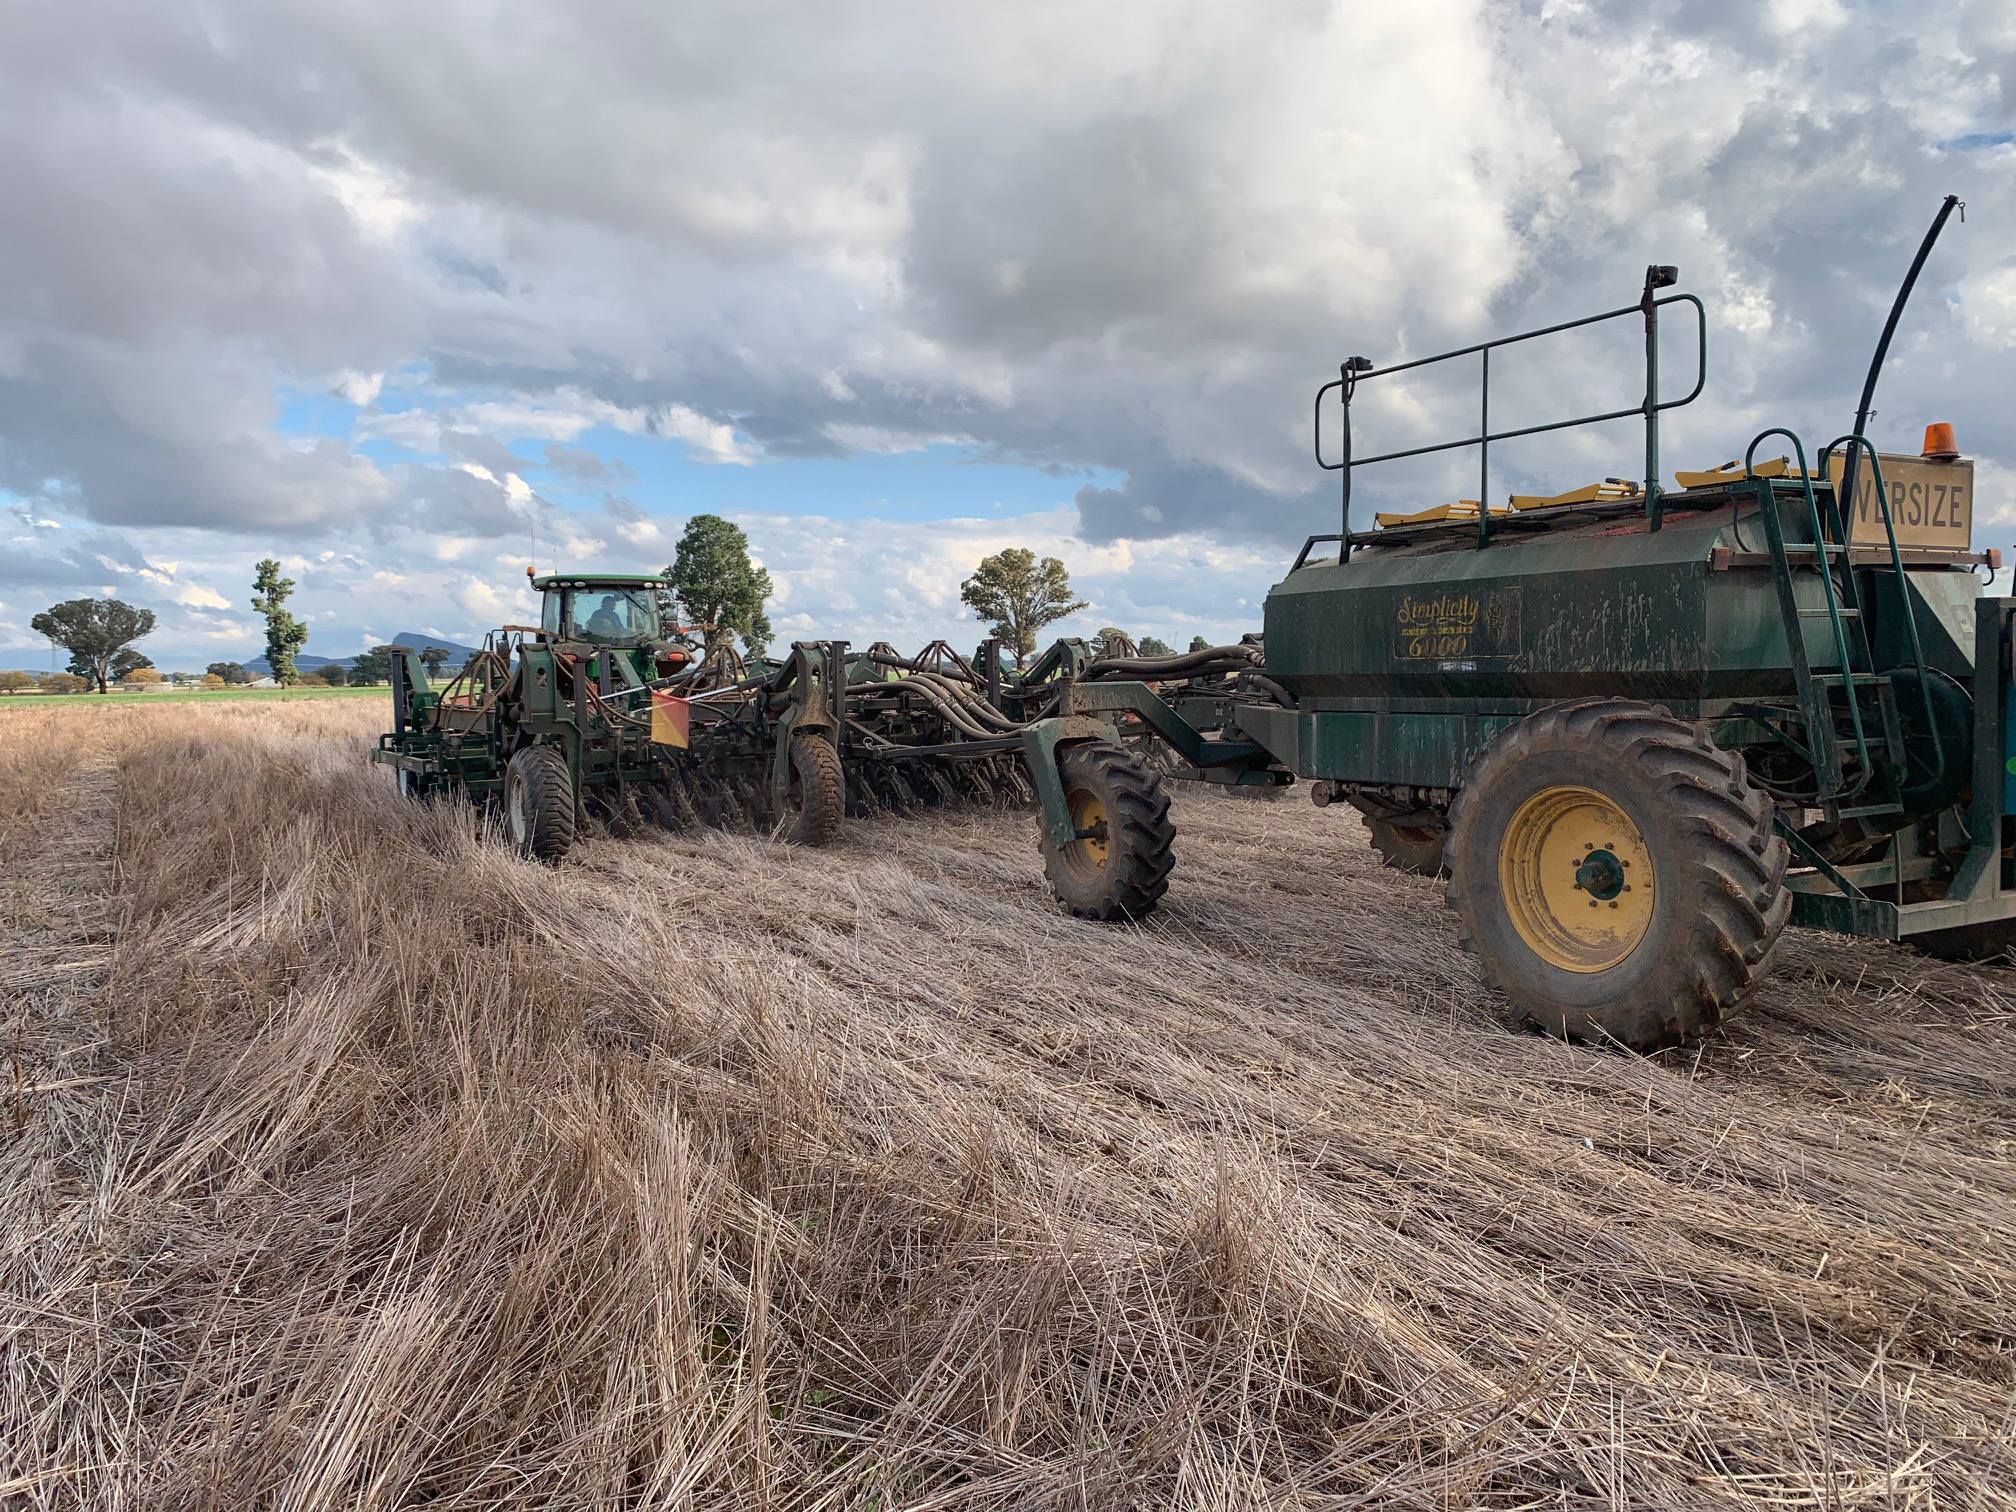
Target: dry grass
x,y
353,1163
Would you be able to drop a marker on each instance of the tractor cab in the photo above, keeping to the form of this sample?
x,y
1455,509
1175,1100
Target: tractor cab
x,y
604,611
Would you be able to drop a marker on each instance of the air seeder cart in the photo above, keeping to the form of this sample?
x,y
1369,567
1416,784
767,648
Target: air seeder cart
x,y
1639,728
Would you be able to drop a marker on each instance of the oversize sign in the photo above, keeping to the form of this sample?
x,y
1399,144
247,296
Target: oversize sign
x,y
1931,503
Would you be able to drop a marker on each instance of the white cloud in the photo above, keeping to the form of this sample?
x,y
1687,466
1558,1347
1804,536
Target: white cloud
x,y
358,388
706,440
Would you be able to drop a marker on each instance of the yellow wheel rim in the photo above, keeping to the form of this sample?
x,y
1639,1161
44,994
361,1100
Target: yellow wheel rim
x,y
1087,854
1577,879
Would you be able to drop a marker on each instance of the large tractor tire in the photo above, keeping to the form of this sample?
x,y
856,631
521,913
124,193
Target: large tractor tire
x,y
816,804
539,802
1119,866
1991,941
1415,848
1616,874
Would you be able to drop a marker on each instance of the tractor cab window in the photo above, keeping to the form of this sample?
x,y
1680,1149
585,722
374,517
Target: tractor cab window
x,y
549,612
612,616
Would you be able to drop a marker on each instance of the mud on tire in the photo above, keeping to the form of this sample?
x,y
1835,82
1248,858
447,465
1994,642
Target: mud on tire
x,y
1683,812
1122,869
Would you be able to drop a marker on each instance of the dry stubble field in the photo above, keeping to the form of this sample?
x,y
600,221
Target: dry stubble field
x,y
351,1162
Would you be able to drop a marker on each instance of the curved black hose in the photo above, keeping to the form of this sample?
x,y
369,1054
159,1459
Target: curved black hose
x,y
1267,685
1185,664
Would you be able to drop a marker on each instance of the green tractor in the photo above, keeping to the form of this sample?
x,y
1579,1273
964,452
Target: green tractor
x,y
1639,729
604,708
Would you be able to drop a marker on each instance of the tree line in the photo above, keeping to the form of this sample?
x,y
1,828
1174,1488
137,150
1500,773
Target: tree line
x,y
716,587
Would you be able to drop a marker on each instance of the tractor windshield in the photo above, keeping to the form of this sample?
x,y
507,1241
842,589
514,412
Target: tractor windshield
x,y
612,616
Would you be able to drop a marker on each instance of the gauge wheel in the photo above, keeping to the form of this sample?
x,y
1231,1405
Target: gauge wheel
x,y
816,801
1408,847
1118,864
1616,874
539,802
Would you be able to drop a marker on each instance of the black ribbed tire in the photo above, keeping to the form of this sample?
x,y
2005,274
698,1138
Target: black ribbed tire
x,y
817,801
1992,941
1122,871
1417,848
1556,813
539,803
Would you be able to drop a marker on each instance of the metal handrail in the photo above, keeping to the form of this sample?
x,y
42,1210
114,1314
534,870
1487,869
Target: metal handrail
x,y
1358,370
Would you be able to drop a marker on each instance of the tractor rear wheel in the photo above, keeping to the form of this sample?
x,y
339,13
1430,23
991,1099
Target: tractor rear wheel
x,y
1616,873
1118,866
539,802
817,799
1408,847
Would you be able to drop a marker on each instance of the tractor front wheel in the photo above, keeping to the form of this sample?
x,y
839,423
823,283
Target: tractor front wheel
x,y
1616,874
1117,865
817,800
539,802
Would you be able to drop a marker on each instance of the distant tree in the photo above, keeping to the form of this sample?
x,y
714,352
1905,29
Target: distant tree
x,y
718,586
141,677
16,682
434,658
1198,643
65,682
335,674
1151,646
229,672
285,635
211,680
94,632
1020,595
374,666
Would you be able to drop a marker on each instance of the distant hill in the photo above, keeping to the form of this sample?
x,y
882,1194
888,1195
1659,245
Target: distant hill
x,y
457,653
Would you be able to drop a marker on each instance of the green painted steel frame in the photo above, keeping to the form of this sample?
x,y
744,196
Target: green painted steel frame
x,y
1828,897
1323,743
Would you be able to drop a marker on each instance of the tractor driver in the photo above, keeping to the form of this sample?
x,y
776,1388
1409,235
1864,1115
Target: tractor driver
x,y
609,623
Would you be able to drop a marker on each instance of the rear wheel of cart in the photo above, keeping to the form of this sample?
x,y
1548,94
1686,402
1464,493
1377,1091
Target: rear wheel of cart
x,y
1616,873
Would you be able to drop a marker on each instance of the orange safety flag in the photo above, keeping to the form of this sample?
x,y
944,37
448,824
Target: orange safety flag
x,y
670,722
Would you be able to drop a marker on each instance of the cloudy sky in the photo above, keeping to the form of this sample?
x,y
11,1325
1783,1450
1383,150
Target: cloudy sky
x,y
401,293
